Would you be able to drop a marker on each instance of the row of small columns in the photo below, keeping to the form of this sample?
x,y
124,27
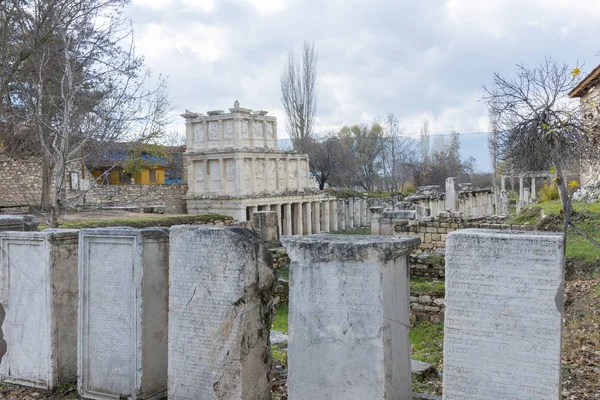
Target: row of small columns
x,y
308,217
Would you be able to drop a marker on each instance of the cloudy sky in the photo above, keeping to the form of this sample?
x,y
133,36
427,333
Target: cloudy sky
x,y
417,59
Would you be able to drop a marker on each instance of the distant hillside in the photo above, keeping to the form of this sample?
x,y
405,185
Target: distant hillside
x,y
471,145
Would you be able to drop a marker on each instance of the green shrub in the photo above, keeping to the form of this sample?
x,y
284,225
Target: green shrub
x,y
548,192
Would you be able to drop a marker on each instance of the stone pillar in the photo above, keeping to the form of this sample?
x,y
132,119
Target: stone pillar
x,y
287,212
279,218
341,214
298,217
521,201
357,212
503,203
363,212
38,341
533,191
316,217
18,223
223,175
350,214
253,209
526,196
265,224
307,218
504,332
349,317
333,221
123,312
451,195
221,285
325,216
376,220
206,176
503,182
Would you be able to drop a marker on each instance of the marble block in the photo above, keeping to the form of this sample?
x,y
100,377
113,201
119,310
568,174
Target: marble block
x,y
265,224
38,303
18,223
220,312
349,317
123,304
503,319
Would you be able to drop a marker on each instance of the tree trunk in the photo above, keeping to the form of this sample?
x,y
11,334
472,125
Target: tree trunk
x,y
46,184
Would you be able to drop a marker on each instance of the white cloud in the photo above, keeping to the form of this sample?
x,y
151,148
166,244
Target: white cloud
x,y
375,56
265,7
204,43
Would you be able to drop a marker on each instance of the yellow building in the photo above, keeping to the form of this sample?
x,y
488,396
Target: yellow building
x,y
117,176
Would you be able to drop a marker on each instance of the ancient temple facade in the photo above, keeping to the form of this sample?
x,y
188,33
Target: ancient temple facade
x,y
235,167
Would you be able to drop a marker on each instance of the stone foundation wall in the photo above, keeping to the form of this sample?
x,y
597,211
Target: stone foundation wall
x,y
427,265
170,196
433,233
427,307
20,181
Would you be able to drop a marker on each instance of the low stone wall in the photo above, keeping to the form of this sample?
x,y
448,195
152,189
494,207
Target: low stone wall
x,y
20,181
170,196
433,233
427,265
427,307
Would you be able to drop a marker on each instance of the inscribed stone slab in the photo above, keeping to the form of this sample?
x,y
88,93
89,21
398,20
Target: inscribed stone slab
x,y
349,317
123,306
220,311
504,303
38,297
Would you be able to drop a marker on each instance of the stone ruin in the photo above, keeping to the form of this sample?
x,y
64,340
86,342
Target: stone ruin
x,y
109,292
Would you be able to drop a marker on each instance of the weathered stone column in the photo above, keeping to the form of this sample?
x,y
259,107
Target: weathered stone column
x,y
298,218
279,219
363,212
123,306
220,312
253,210
287,212
451,196
357,212
503,182
307,218
521,201
316,217
526,197
265,224
333,221
350,214
38,297
376,220
533,190
325,216
502,329
341,214
503,203
349,317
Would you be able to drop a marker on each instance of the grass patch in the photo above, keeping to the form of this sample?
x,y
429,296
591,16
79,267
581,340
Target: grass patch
x,y
280,322
279,355
426,286
67,390
586,217
145,222
426,343
284,273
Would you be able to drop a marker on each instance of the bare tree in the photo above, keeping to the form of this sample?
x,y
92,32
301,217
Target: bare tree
x,y
298,95
397,150
424,142
366,143
76,85
538,127
327,156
